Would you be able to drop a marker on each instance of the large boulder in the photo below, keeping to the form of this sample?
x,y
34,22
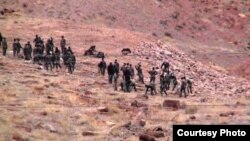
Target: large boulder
x,y
173,104
145,137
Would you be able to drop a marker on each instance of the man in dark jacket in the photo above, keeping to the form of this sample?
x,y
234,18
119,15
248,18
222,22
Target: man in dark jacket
x,y
111,72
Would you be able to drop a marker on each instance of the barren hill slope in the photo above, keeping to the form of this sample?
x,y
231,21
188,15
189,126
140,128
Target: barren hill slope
x,y
212,30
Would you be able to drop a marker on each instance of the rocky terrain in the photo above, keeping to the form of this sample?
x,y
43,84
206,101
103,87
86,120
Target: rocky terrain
x,y
41,106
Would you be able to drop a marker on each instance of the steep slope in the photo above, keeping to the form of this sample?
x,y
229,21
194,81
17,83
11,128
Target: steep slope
x,y
211,30
41,105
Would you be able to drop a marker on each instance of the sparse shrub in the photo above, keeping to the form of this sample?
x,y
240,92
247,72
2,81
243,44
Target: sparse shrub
x,y
154,34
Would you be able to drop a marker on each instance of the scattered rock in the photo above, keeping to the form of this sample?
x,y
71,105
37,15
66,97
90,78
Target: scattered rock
x,y
174,104
88,133
156,132
192,117
50,97
103,109
44,113
227,114
145,137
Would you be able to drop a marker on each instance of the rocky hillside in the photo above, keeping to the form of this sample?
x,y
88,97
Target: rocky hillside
x,y
215,31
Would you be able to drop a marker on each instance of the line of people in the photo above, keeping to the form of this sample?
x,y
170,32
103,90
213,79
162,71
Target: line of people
x,y
167,78
42,54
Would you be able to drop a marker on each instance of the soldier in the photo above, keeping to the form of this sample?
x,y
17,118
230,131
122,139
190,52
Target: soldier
x,y
19,47
63,44
48,46
1,39
115,81
69,50
57,60
132,71
183,86
15,47
116,67
29,50
53,60
70,65
139,73
5,46
35,55
151,87
57,52
102,67
173,80
132,84
189,86
73,61
36,40
163,84
111,72
127,78
153,74
48,62
123,67
165,67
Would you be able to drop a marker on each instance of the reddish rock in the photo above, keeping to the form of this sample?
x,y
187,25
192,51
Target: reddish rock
x,y
174,104
103,109
88,133
227,114
44,113
157,132
145,137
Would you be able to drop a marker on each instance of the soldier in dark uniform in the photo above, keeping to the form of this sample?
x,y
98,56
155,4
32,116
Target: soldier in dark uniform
x,y
139,73
165,67
48,46
163,84
151,87
1,39
19,47
153,74
183,87
132,71
73,61
189,86
57,60
102,67
48,62
116,67
15,47
116,81
4,46
173,80
127,78
29,50
111,72
63,44
70,65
